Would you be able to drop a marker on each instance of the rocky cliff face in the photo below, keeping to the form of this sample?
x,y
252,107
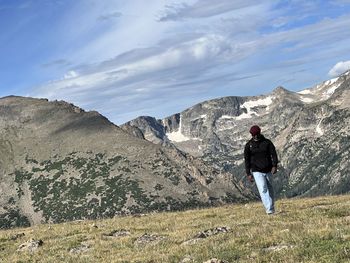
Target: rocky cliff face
x,y
310,130
58,163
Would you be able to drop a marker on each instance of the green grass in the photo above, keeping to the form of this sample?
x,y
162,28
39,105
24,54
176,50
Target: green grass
x,y
304,230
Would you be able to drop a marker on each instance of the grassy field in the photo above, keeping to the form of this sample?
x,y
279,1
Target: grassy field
x,y
303,230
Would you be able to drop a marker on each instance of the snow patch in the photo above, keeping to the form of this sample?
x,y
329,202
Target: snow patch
x,y
239,117
248,105
178,136
331,81
331,90
256,103
319,129
227,117
320,92
306,100
246,115
305,91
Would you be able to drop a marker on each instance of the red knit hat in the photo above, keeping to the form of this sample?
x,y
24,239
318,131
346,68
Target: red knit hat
x,y
255,130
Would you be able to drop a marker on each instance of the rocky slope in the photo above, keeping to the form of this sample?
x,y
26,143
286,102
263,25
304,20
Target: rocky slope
x,y
58,163
310,130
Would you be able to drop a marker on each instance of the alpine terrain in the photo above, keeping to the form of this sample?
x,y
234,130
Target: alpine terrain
x,y
310,130
60,163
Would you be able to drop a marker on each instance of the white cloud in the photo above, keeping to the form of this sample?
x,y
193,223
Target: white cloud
x,y
135,28
204,8
70,74
339,68
109,16
204,50
206,47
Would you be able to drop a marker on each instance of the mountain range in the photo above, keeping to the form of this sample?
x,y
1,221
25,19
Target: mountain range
x,y
59,162
310,129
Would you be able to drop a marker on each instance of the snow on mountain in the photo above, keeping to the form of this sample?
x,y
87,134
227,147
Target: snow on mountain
x,y
322,91
257,103
178,136
312,138
248,108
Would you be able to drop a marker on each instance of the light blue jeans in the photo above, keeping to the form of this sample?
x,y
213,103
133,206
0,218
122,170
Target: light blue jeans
x,y
264,183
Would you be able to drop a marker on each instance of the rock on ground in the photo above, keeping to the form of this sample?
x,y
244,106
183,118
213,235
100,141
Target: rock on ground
x,y
31,245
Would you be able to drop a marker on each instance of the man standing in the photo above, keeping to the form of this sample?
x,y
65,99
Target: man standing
x,y
261,162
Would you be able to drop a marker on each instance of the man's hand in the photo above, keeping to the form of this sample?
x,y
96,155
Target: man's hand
x,y
274,170
250,178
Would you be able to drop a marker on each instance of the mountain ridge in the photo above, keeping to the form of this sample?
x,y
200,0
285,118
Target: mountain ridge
x,y
60,163
216,131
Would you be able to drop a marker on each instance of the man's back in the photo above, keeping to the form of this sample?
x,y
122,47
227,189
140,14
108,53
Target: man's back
x,y
260,155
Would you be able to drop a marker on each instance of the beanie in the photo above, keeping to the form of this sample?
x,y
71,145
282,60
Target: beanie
x,y
255,130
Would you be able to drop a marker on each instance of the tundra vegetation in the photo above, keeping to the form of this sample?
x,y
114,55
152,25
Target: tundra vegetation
x,y
303,230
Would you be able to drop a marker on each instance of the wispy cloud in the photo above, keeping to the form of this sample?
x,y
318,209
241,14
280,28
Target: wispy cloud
x,y
203,8
131,79
341,2
9,6
57,63
156,60
321,33
109,16
193,55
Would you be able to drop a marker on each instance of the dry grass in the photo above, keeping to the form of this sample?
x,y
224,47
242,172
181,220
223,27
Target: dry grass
x,y
305,230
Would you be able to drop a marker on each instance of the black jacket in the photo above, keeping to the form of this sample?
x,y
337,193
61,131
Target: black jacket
x,y
260,156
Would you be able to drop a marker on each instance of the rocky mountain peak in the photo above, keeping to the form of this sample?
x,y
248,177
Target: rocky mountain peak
x,y
302,124
280,91
59,163
152,129
324,90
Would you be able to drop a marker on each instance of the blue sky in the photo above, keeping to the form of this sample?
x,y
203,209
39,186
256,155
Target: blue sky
x,y
158,57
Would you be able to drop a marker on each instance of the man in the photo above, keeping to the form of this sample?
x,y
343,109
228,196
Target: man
x,y
260,163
